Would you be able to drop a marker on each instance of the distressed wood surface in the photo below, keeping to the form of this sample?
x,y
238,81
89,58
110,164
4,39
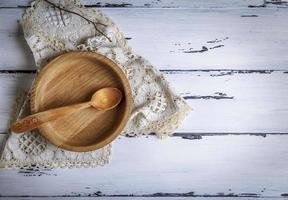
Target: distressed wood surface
x,y
149,3
228,59
223,101
193,39
216,165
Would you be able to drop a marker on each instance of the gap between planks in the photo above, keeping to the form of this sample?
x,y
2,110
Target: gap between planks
x,y
149,3
210,4
156,196
131,197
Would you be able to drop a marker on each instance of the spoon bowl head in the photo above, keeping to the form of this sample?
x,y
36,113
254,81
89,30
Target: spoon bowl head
x,y
106,98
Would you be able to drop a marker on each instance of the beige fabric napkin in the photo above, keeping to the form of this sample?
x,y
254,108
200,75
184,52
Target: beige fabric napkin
x,y
67,26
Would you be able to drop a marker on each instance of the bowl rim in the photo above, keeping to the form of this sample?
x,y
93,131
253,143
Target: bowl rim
x,y
124,119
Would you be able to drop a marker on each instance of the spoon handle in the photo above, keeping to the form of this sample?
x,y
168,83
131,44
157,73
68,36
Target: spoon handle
x,y
34,121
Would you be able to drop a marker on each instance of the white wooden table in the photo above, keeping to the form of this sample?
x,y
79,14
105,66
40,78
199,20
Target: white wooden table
x,y
228,59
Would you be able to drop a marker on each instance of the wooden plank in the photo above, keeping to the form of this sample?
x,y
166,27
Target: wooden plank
x,y
150,3
223,101
193,39
234,102
216,165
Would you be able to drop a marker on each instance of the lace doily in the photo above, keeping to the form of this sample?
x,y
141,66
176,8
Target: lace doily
x,y
50,31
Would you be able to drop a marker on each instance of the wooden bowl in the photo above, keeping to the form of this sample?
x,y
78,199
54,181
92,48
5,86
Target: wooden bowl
x,y
73,78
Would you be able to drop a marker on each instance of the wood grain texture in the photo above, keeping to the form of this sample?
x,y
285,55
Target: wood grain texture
x,y
102,100
223,101
194,38
216,165
73,78
36,120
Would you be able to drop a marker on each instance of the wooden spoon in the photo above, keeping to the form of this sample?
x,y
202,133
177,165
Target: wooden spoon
x,y
103,99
